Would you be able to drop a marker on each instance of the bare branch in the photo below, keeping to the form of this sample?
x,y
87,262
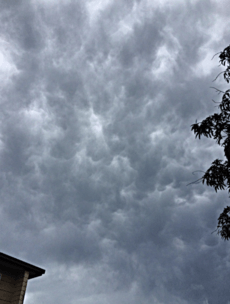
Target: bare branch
x,y
196,182
215,55
218,76
217,90
215,101
214,231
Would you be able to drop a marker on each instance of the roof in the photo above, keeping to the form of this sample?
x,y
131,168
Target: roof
x,y
16,268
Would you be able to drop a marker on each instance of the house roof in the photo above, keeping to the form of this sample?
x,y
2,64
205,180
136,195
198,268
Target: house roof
x,y
16,268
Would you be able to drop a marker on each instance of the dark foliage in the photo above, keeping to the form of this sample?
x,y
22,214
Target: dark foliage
x,y
217,126
224,224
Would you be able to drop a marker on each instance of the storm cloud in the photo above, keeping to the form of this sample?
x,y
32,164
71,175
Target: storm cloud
x,y
96,149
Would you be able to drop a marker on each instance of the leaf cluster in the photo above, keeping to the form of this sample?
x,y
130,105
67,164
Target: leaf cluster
x,y
217,126
224,224
214,125
225,60
217,174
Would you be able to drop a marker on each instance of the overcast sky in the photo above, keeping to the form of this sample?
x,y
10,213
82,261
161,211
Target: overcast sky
x,y
96,149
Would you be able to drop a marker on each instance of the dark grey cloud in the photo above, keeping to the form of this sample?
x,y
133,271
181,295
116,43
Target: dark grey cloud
x,y
97,99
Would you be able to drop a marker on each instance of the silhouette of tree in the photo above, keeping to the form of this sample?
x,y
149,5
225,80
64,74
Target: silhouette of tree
x,y
218,127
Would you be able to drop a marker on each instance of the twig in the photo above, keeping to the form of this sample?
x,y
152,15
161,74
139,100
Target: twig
x,y
218,76
214,230
217,90
215,55
215,101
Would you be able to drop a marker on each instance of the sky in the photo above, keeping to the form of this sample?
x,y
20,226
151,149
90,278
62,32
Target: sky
x,y
96,149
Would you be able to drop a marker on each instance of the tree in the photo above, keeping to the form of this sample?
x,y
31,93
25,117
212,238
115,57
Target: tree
x,y
218,127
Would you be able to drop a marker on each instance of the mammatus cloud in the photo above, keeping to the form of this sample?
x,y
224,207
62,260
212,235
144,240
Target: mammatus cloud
x,y
97,99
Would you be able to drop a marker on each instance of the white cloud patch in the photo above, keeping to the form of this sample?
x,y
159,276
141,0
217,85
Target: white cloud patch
x,y
8,67
95,7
